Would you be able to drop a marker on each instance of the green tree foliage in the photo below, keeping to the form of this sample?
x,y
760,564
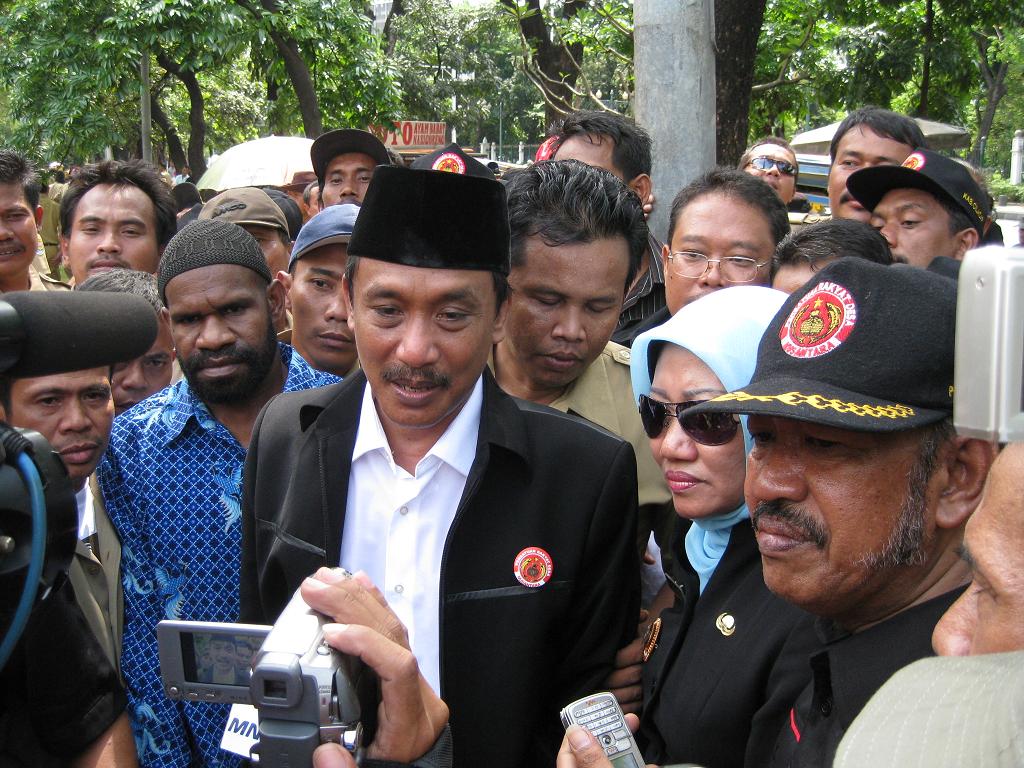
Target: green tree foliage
x,y
459,65
70,68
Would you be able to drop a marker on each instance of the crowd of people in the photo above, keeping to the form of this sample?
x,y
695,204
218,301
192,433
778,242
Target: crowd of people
x,y
717,476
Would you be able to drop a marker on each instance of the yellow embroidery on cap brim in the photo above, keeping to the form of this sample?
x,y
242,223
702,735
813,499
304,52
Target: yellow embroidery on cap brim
x,y
822,403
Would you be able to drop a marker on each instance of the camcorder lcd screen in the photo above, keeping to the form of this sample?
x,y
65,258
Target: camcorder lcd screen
x,y
218,659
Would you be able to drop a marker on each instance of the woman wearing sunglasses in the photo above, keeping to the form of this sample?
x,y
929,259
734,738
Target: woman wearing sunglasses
x,y
726,661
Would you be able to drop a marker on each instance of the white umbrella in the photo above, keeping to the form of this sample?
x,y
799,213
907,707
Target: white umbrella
x,y
939,135
274,160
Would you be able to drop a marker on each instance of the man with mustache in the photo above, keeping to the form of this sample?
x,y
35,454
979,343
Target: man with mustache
x,y
20,216
171,479
964,707
859,487
115,214
500,532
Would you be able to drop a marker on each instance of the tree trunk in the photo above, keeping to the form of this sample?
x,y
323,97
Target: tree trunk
x,y
296,67
737,28
174,147
196,118
926,66
552,66
994,73
390,36
302,82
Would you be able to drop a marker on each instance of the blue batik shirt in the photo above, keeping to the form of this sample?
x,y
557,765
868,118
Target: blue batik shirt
x,y
171,482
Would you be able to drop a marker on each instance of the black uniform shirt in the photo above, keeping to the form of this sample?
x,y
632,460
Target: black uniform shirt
x,y
847,673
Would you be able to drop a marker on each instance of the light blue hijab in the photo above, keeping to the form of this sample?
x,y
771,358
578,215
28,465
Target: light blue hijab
x,y
724,330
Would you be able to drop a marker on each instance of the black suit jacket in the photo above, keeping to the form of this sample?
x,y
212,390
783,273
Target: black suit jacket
x,y
721,700
511,656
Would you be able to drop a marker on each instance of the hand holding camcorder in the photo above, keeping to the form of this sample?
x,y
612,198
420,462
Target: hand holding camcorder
x,y
306,692
313,682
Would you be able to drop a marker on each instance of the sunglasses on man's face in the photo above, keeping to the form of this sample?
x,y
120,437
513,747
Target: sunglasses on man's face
x,y
767,163
704,428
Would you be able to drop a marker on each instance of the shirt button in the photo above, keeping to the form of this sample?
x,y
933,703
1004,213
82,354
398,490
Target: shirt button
x,y
399,589
403,511
826,707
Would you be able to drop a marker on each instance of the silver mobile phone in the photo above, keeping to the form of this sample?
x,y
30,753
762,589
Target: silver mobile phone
x,y
601,715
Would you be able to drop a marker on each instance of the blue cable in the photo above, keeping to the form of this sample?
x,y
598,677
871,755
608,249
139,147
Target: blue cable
x,y
32,480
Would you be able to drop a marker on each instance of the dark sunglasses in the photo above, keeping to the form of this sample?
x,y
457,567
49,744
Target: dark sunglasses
x,y
704,428
767,163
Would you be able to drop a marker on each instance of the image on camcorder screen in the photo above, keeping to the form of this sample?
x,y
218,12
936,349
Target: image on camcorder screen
x,y
222,659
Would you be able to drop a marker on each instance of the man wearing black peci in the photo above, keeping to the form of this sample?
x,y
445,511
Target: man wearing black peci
x,y
515,574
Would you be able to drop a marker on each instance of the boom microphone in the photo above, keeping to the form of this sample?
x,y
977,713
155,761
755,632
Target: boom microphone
x,y
43,333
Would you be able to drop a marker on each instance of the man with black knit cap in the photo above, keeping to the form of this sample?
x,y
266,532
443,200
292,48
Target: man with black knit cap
x,y
171,478
515,577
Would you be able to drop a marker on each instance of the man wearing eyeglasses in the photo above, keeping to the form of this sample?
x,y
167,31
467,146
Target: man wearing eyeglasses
x,y
773,161
722,231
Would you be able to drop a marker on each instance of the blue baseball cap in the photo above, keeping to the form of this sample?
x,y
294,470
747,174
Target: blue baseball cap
x,y
332,225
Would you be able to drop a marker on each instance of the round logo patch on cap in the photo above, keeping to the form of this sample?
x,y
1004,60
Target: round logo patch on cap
x,y
915,161
449,162
533,567
819,322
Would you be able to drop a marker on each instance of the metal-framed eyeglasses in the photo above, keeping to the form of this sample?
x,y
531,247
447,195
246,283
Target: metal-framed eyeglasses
x,y
762,163
734,269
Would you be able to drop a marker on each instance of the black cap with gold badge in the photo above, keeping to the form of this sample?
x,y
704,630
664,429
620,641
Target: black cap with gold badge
x,y
942,177
865,347
423,218
453,160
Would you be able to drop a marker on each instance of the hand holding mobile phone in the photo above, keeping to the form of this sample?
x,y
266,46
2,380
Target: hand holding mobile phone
x,y
601,715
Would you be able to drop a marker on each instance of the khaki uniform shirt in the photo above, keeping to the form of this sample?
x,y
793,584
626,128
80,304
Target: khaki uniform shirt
x,y
40,281
95,575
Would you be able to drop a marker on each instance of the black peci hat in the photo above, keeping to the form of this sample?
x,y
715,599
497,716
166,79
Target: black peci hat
x,y
453,160
864,347
428,219
929,171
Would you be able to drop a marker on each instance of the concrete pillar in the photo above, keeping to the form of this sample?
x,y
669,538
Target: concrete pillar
x,y
522,152
1016,157
483,146
674,60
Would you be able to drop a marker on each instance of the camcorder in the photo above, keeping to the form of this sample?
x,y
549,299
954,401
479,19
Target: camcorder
x,y
988,399
306,693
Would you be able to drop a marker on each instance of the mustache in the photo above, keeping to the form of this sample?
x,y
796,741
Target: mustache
x,y
794,516
410,375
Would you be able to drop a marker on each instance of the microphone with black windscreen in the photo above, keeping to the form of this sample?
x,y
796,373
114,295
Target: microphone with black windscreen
x,y
46,332
43,333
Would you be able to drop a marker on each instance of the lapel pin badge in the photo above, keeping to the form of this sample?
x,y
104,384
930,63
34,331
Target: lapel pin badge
x,y
651,638
533,567
726,624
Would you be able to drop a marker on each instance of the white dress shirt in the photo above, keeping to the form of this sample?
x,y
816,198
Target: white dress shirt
x,y
396,524
86,512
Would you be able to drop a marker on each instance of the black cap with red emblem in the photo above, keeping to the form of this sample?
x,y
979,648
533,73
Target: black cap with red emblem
x,y
939,176
864,346
453,160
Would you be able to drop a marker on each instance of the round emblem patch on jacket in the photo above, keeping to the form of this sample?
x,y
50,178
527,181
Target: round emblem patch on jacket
x,y
819,322
533,567
449,162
